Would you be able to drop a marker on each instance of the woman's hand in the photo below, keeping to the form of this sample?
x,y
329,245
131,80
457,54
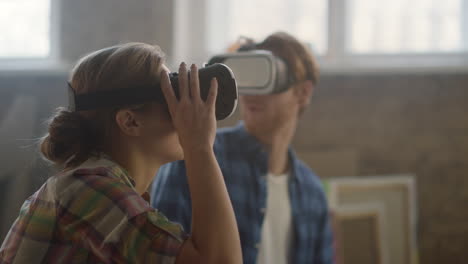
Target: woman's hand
x,y
195,123
193,119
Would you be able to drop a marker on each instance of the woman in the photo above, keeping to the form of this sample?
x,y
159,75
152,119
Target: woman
x,y
96,209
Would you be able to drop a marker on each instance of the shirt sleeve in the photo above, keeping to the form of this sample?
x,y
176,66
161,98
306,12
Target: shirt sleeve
x,y
171,194
31,233
111,220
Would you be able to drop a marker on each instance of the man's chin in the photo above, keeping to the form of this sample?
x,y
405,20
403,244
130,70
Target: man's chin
x,y
254,120
256,126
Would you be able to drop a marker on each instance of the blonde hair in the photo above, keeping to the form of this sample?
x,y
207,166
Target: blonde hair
x,y
73,136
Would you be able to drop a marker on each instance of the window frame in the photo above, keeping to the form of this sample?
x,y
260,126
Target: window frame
x,y
336,58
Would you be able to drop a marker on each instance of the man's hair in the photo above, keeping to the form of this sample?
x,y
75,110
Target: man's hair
x,y
301,63
299,59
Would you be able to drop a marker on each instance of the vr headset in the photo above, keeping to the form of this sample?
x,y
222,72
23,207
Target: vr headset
x,y
226,100
246,72
256,72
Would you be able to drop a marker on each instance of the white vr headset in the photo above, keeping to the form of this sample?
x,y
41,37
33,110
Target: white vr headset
x,y
256,72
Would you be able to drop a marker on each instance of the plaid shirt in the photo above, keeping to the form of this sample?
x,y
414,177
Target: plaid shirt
x,y
92,214
243,162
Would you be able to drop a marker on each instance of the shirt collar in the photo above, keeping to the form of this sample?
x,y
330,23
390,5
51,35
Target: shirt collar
x,y
103,164
255,149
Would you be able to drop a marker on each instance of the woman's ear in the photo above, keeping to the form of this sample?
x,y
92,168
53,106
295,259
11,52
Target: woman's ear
x,y
304,92
128,122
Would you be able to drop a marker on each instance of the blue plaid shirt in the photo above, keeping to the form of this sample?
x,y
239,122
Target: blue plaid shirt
x,y
243,162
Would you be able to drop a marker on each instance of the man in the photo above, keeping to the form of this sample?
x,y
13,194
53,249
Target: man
x,y
279,203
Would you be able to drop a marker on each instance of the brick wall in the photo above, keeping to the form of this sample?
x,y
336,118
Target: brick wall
x,y
388,124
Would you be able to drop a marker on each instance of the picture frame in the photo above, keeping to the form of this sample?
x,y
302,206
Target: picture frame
x,y
359,234
396,194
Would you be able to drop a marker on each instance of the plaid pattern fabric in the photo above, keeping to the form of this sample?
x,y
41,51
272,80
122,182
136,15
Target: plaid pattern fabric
x,y
92,214
244,163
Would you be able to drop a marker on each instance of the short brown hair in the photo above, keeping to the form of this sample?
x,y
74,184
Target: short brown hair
x,y
301,63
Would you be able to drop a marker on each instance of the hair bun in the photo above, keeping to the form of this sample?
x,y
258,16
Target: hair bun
x,y
69,139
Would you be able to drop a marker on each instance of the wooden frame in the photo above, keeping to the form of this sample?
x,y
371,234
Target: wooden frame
x,y
370,248
396,194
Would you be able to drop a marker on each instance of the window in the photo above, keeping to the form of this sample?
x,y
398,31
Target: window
x,y
402,26
259,18
25,29
345,34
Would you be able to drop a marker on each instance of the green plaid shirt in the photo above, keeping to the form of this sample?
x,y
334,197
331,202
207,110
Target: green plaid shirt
x,y
92,214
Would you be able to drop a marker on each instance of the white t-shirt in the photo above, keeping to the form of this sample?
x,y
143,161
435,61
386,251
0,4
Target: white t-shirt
x,y
276,233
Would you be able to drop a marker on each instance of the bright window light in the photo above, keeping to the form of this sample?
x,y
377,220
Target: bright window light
x,y
24,29
402,26
305,19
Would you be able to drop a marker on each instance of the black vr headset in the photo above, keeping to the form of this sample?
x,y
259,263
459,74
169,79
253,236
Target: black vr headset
x,y
226,101
249,72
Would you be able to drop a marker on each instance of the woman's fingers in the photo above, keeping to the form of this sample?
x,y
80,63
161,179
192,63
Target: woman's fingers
x,y
183,82
194,83
211,100
187,87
